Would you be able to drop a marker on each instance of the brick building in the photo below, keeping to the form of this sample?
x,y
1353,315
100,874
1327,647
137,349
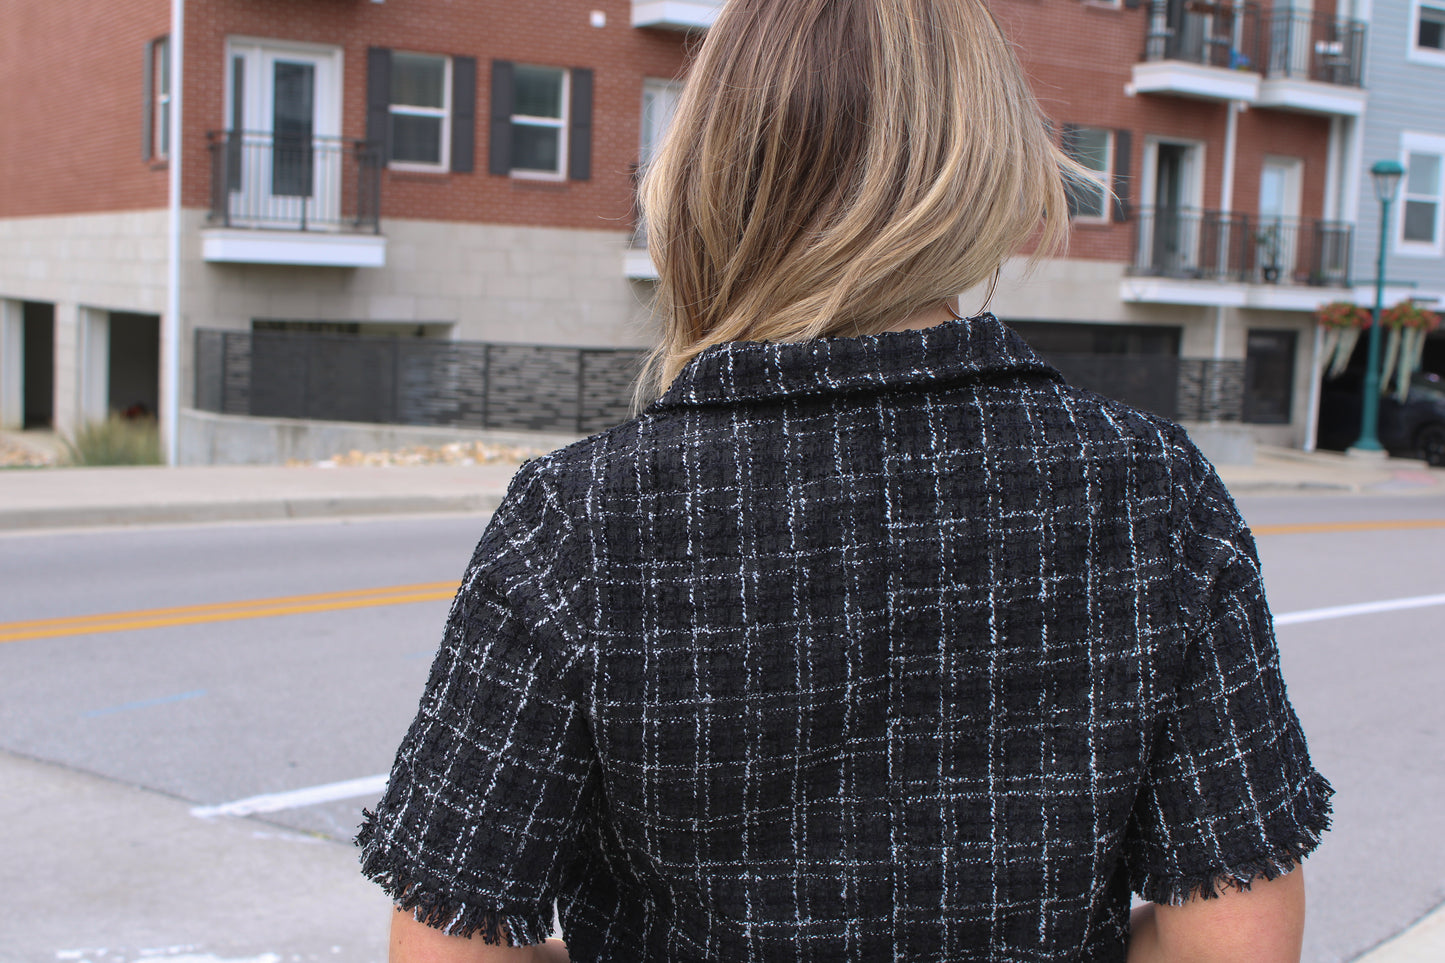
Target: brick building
x,y
454,173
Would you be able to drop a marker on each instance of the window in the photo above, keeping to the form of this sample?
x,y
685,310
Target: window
x,y
541,121
156,144
659,103
1092,147
1422,195
420,107
421,110
1428,29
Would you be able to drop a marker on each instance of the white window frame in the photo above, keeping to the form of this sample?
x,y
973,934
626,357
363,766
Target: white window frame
x,y
161,92
562,124
1413,50
1104,179
1418,143
444,112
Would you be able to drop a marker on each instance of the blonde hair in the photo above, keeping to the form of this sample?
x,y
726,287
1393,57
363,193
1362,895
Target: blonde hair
x,y
837,165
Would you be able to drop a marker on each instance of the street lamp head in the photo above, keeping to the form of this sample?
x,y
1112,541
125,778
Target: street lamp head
x,y
1387,174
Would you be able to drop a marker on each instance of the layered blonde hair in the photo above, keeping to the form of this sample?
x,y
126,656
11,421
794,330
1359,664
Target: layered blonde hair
x,y
836,166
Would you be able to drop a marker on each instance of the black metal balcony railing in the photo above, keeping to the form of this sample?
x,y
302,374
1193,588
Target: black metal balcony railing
x,y
1214,34
1308,46
1186,243
298,183
1286,43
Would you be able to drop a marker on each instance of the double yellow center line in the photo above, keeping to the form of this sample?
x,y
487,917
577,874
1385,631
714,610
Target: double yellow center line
x,y
226,611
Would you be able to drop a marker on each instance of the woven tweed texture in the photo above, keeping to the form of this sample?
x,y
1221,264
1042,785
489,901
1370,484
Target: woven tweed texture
x,y
881,648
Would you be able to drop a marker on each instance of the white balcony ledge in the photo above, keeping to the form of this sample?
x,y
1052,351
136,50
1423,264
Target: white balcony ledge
x,y
1311,97
675,14
1228,294
637,265
307,248
1196,81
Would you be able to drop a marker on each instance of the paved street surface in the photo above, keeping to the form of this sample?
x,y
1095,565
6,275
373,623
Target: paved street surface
x,y
134,747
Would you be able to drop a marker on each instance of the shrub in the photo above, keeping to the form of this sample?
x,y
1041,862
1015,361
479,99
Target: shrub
x,y
115,441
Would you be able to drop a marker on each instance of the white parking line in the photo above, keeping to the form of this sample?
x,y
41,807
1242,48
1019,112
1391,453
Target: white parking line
x,y
1362,608
296,798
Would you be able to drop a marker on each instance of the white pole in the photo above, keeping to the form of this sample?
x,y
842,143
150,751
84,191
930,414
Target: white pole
x,y
1316,375
171,324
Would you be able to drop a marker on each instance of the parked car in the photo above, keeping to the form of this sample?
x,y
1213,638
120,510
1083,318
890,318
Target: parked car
x,y
1415,428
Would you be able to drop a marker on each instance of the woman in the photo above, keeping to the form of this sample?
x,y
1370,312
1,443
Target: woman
x,y
870,638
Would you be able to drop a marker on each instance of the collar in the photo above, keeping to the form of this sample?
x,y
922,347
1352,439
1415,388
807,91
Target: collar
x,y
970,349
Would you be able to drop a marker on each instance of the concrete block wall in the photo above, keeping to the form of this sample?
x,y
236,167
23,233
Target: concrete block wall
x,y
489,282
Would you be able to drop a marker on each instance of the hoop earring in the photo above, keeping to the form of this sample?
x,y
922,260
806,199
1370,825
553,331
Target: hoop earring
x,y
992,286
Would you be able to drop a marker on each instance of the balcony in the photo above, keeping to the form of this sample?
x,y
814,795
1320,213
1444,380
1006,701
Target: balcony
x,y
1314,64
1187,256
1200,49
293,200
675,14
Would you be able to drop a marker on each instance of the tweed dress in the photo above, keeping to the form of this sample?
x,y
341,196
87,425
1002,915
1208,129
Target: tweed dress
x,y
882,648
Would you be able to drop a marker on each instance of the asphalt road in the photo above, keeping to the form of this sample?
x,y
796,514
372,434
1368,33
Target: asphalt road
x,y
151,713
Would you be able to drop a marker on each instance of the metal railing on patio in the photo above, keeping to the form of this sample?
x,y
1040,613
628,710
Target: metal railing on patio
x,y
414,381
1214,33
1182,242
296,183
1305,45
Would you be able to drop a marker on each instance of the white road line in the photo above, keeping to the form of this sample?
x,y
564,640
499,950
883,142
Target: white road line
x,y
374,785
1363,608
296,798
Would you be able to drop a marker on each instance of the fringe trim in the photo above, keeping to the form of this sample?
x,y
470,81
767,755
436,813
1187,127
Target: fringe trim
x,y
441,910
1315,820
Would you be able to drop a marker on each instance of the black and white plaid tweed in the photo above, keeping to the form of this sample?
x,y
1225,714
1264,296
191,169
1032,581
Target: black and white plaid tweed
x,y
887,648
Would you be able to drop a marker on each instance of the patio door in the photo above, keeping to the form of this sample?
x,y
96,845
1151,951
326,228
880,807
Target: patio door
x,y
284,156
1277,233
1171,191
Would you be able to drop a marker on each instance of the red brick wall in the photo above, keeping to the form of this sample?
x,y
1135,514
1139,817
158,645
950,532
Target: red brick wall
x,y
71,102
549,32
1079,57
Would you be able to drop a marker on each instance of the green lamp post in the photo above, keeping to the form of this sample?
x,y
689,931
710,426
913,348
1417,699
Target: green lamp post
x,y
1386,174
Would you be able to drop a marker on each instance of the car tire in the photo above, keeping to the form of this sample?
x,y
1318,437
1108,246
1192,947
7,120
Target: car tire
x,y
1430,441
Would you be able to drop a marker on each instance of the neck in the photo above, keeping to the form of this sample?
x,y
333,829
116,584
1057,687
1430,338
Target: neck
x,y
931,316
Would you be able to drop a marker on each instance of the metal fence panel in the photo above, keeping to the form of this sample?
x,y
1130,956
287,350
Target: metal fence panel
x,y
414,381
554,388
1144,381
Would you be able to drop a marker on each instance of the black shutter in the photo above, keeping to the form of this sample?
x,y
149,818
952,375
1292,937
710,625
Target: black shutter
x,y
148,113
378,103
464,113
1070,146
1133,4
236,136
499,148
1123,144
579,140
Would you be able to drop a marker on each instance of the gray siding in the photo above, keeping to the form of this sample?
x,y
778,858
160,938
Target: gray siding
x,y
1404,95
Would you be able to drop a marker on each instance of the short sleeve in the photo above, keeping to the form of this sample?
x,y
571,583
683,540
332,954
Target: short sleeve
x,y
1230,794
492,781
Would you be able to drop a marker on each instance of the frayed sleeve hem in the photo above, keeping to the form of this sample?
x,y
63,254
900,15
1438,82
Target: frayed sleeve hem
x,y
451,913
1314,819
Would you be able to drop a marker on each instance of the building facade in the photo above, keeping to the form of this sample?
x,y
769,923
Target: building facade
x,y
413,168
449,173
1405,71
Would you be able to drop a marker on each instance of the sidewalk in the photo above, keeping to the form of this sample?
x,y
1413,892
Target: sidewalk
x,y
35,498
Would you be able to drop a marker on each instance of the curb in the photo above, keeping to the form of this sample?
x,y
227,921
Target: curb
x,y
274,509
1423,942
